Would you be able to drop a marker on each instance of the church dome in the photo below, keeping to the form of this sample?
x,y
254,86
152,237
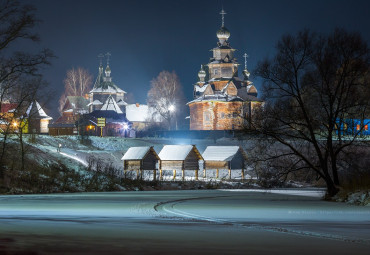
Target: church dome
x,y
201,73
223,33
246,74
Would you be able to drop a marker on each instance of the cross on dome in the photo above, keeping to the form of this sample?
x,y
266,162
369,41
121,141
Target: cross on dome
x,y
101,56
245,60
223,16
108,56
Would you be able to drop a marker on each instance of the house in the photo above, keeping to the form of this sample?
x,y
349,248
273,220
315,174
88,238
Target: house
x,y
140,159
36,121
73,108
140,116
179,157
224,158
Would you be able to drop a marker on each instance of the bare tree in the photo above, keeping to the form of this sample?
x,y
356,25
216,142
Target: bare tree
x,y
78,82
166,97
16,68
310,86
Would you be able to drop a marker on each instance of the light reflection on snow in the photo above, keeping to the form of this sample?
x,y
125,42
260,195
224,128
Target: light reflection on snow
x,y
75,158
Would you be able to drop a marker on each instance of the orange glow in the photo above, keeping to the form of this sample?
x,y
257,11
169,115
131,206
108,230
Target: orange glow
x,y
15,124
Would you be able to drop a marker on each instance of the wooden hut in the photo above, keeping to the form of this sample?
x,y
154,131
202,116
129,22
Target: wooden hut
x,y
224,157
179,157
140,159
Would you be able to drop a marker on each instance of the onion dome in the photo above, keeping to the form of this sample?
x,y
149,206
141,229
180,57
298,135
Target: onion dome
x,y
246,74
223,34
201,74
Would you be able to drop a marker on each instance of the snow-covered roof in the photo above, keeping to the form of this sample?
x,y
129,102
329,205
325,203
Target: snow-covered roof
x,y
121,102
96,102
201,89
136,112
35,111
111,105
220,153
217,97
136,153
175,152
108,90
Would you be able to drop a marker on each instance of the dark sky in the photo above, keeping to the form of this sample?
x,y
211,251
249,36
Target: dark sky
x,y
146,37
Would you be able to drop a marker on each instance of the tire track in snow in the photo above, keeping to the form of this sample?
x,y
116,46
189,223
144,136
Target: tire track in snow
x,y
169,207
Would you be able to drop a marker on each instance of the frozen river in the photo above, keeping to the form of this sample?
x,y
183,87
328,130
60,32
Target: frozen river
x,y
182,222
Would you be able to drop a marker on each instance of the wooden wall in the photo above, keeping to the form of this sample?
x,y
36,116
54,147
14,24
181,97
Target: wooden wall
x,y
216,115
171,164
191,161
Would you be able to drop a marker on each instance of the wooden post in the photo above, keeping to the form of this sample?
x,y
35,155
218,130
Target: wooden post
x,y
137,174
141,173
196,175
160,175
204,173
124,173
229,174
217,173
174,174
242,174
154,175
183,175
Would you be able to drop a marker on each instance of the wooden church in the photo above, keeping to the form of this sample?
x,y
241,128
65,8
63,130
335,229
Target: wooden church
x,y
222,101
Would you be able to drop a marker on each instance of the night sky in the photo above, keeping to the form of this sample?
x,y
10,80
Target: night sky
x,y
146,37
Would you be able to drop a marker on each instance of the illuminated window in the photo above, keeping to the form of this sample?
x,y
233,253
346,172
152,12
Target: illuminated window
x,y
345,126
366,127
357,127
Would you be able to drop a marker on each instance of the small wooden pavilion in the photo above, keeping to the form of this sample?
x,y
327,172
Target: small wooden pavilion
x,y
224,157
140,159
179,157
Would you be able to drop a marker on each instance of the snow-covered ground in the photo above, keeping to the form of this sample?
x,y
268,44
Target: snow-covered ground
x,y
111,149
183,222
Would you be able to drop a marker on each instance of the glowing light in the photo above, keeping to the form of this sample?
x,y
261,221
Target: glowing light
x,y
15,124
125,126
171,108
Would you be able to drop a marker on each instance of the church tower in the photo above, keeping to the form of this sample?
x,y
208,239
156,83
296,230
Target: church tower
x,y
105,88
223,101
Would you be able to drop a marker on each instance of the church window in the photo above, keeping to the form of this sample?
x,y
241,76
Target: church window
x,y
357,127
366,128
215,71
207,116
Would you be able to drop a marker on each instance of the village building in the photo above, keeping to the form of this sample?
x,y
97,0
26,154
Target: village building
x,y
73,108
35,120
222,101
224,158
139,159
103,88
179,157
